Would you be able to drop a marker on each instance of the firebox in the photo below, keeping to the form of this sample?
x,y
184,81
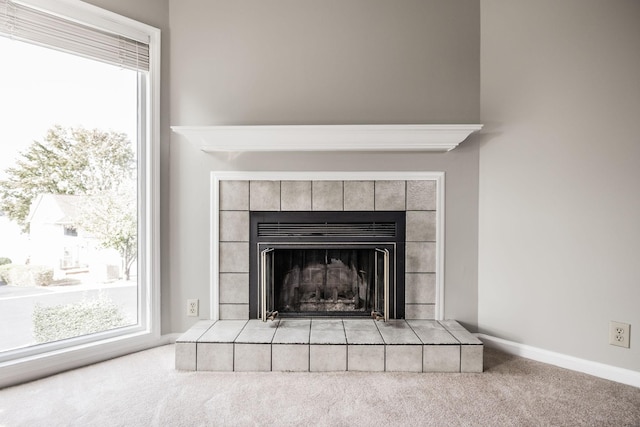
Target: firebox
x,y
310,264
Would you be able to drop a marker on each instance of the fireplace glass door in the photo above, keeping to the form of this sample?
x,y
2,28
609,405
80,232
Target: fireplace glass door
x,y
334,280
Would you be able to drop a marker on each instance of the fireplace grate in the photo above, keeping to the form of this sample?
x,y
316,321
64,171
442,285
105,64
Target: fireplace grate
x,y
356,230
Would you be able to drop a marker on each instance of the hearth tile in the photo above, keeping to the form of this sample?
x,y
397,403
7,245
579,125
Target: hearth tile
x,y
397,332
234,288
234,195
390,196
420,311
365,358
421,226
460,333
403,358
441,358
471,358
257,332
234,257
420,288
214,357
234,311
327,196
431,332
361,331
252,358
295,195
185,356
327,331
293,331
234,226
327,358
223,331
290,357
420,257
264,195
196,331
359,196
421,195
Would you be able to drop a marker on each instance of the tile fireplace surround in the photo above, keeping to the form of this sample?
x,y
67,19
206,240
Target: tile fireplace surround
x,y
230,341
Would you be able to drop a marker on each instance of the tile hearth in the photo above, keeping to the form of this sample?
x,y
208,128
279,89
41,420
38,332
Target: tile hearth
x,y
325,344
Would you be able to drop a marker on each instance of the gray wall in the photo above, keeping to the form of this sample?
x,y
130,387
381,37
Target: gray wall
x,y
320,62
559,175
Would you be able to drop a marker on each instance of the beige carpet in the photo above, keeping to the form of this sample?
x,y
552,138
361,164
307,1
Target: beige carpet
x,y
143,389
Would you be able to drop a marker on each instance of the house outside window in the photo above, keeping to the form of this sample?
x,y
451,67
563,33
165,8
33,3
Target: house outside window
x,y
78,180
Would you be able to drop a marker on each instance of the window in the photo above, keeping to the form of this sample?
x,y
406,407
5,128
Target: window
x,y
78,180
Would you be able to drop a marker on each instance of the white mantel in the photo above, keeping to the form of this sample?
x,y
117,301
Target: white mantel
x,y
435,138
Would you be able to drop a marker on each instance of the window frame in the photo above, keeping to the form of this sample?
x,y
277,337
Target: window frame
x,y
34,362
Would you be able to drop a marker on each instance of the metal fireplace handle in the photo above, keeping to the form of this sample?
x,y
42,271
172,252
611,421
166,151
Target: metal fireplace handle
x,y
263,283
386,282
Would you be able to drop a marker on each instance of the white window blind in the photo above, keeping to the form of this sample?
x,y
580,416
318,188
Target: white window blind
x,y
27,24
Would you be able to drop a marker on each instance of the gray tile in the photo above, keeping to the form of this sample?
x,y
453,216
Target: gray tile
x,y
421,226
234,226
420,288
362,331
295,196
290,357
359,195
252,358
234,311
293,331
403,358
390,196
431,332
460,333
419,311
234,195
327,196
223,331
234,257
185,356
471,358
397,332
441,358
195,331
234,288
327,331
421,195
215,357
264,196
420,257
365,358
257,332
327,358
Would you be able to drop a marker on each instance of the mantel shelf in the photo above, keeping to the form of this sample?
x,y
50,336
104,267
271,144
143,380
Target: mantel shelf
x,y
437,138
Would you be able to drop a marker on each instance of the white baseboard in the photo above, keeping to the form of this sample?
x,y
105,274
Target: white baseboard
x,y
608,372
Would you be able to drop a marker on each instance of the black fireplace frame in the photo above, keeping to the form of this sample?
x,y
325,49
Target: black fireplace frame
x,y
370,218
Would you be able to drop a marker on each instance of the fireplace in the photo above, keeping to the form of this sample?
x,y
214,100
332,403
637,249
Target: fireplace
x,y
345,264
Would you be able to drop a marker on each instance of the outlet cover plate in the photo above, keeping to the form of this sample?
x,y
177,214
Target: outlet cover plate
x,y
619,334
192,308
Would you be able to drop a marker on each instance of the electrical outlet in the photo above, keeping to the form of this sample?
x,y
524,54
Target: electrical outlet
x,y
192,307
619,334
